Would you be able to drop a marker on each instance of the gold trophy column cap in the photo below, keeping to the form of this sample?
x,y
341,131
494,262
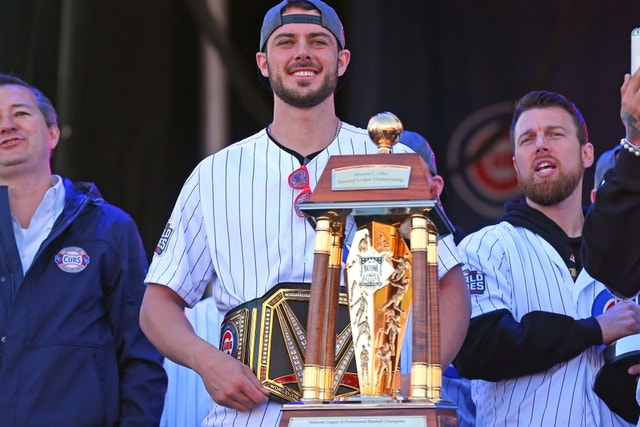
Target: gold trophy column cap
x,y
385,129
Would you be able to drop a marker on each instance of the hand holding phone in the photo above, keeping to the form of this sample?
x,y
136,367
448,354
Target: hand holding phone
x,y
635,49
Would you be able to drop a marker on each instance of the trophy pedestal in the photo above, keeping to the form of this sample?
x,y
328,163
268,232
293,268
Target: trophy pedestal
x,y
408,414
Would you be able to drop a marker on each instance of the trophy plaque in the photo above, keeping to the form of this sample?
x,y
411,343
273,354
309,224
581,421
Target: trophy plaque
x,y
391,270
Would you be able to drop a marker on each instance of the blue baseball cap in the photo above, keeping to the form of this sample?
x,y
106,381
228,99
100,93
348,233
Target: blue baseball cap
x,y
417,143
606,161
328,19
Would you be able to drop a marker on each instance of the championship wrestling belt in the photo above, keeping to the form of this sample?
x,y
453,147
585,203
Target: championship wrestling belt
x,y
613,384
268,334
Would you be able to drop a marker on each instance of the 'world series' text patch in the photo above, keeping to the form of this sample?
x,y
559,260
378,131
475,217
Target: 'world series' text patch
x,y
475,282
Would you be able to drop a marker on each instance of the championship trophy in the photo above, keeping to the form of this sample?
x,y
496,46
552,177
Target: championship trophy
x,y
391,270
613,384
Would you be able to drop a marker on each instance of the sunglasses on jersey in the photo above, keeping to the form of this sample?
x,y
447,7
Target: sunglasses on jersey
x,y
299,180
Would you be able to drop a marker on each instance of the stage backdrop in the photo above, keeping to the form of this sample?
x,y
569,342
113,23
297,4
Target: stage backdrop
x,y
126,77
451,70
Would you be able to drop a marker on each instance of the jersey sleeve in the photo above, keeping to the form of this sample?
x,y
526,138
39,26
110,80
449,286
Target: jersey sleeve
x,y
486,271
498,347
182,259
448,256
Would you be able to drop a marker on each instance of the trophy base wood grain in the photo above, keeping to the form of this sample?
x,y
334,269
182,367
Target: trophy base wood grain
x,y
407,414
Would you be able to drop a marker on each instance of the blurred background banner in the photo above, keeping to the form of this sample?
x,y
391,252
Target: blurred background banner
x,y
147,88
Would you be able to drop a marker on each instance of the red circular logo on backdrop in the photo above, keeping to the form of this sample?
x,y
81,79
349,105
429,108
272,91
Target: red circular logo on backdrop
x,y
480,162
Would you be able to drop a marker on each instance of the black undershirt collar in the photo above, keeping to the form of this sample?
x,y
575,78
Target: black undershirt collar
x,y
302,159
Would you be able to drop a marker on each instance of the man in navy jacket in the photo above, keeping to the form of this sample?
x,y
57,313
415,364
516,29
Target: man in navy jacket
x,y
71,282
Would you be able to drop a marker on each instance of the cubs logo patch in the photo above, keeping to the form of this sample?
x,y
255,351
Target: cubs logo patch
x,y
164,239
605,300
475,282
72,259
229,340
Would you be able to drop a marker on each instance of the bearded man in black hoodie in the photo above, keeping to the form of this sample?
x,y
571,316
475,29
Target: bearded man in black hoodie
x,y
538,319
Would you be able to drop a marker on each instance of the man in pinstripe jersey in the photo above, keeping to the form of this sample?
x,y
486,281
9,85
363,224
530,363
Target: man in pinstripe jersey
x,y
539,320
236,222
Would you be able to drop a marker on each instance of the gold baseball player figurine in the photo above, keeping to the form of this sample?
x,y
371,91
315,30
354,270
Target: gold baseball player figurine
x,y
379,274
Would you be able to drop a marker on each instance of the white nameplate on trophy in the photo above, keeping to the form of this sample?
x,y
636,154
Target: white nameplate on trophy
x,y
370,177
388,421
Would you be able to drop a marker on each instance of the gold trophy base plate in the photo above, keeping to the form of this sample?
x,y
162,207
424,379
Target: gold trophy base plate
x,y
407,414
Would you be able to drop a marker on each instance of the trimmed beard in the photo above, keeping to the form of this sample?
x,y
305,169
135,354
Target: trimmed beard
x,y
551,191
307,100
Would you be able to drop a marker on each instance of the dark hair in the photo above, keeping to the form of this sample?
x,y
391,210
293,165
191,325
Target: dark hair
x,y
44,104
547,99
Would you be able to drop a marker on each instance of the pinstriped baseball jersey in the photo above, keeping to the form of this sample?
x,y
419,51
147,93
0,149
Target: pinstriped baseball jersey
x,y
512,268
234,224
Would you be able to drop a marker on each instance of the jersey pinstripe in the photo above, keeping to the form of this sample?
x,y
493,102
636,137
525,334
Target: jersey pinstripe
x,y
456,389
234,224
186,400
515,269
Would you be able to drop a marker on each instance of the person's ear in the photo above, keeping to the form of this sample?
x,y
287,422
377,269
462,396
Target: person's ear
x,y
436,185
54,136
261,60
344,56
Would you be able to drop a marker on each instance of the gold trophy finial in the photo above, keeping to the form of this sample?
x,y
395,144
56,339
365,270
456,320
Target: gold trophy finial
x,y
385,129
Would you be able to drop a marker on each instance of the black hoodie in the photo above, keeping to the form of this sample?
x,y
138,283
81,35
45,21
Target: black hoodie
x,y
520,214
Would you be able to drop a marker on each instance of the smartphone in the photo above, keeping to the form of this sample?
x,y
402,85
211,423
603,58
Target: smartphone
x,y
635,49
